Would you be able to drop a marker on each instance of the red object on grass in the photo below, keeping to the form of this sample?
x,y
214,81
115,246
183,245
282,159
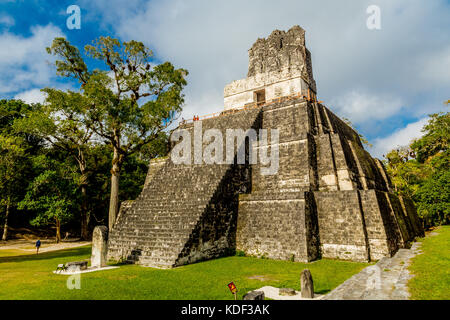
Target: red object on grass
x,y
232,287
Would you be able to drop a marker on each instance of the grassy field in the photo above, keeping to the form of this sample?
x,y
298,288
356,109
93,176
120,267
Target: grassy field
x,y
432,268
31,277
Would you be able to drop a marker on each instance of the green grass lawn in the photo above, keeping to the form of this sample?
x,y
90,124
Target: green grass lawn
x,y
31,277
432,268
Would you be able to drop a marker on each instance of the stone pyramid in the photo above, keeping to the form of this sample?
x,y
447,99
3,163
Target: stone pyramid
x,y
328,199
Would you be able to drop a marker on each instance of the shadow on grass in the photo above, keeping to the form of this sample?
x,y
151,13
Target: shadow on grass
x,y
48,255
119,263
322,291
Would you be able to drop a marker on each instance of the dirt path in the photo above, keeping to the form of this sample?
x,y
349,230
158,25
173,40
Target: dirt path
x,y
28,246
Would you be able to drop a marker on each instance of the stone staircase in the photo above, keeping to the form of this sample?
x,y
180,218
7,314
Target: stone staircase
x,y
159,223
177,217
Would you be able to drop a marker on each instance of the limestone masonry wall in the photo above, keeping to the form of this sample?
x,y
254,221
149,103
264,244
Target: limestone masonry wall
x,y
278,219
341,225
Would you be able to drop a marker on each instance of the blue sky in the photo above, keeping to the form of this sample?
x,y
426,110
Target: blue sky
x,y
385,81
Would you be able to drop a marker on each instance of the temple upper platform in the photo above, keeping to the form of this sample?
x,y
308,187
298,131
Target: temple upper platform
x,y
278,66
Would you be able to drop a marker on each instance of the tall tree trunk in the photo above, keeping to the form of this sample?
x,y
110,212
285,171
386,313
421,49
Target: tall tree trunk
x,y
84,216
115,177
84,209
58,231
5,226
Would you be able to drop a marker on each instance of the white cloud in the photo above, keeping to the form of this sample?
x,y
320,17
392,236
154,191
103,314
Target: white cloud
x,y
362,107
399,138
24,61
436,69
31,96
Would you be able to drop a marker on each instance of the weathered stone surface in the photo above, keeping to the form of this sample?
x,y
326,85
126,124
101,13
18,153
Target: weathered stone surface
x,y
254,295
76,266
278,66
99,247
281,51
386,280
307,284
154,167
329,198
287,292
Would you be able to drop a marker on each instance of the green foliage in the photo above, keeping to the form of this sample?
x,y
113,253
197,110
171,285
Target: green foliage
x,y
240,253
421,171
405,174
73,64
12,153
158,148
53,193
16,150
435,139
112,97
60,122
433,199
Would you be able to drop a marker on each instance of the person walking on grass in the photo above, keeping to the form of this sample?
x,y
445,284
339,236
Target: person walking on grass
x,y
38,245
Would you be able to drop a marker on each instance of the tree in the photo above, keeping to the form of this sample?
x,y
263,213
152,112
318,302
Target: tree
x,y
406,173
15,150
53,193
12,155
433,199
435,139
59,121
422,171
129,104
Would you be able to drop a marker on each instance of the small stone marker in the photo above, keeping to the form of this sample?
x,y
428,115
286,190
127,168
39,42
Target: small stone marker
x,y
76,266
287,292
307,284
99,247
254,295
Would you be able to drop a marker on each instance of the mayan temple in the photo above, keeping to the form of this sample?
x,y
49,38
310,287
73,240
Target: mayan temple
x,y
328,199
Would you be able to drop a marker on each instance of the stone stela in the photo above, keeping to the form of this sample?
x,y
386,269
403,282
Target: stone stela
x,y
99,247
329,198
307,284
